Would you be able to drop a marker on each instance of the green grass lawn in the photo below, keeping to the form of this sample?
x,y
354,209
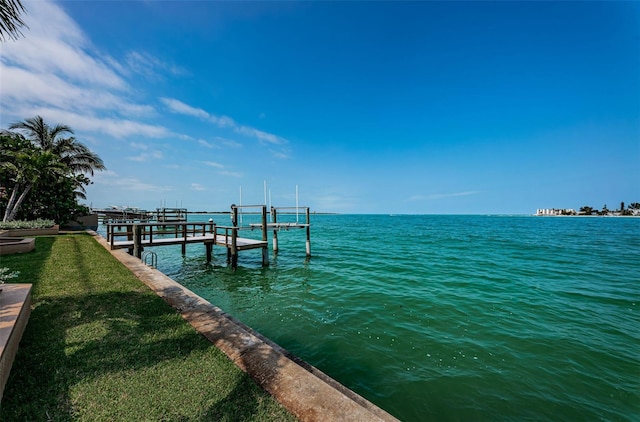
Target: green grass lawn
x,y
100,346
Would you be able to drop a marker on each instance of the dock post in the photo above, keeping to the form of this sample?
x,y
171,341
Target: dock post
x,y
232,252
137,241
308,235
184,243
265,248
209,248
275,230
234,215
234,248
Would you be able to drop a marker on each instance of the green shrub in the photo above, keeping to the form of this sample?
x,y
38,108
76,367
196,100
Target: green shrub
x,y
6,274
21,224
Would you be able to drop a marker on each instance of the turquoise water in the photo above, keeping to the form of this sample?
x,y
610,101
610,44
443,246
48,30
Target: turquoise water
x,y
449,317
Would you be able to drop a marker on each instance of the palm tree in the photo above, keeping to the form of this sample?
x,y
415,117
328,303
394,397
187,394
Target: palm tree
x,y
45,154
10,19
71,152
26,168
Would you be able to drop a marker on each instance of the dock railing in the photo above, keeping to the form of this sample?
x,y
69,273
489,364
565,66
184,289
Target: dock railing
x,y
147,231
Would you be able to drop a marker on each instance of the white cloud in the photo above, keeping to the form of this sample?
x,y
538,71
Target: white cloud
x,y
56,72
147,156
280,154
54,43
26,86
228,142
222,171
263,137
197,186
206,144
177,106
149,66
213,164
230,173
118,128
116,181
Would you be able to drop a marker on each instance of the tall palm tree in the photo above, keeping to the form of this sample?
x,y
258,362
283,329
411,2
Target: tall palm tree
x,y
43,157
71,152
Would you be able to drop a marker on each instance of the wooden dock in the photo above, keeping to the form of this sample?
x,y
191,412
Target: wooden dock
x,y
136,236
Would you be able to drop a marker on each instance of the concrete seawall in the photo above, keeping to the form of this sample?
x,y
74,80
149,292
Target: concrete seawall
x,y
304,390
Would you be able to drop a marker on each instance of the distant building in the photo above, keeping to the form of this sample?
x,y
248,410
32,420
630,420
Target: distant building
x,y
556,211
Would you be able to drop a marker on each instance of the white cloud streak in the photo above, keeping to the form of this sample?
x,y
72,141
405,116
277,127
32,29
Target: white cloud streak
x,y
177,106
146,156
118,128
213,164
116,181
230,173
148,65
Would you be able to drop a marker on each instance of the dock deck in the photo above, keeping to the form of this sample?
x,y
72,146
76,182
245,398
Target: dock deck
x,y
217,239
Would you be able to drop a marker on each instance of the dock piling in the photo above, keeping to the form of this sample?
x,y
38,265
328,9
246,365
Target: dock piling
x,y
137,241
265,248
274,220
209,249
308,243
184,235
234,248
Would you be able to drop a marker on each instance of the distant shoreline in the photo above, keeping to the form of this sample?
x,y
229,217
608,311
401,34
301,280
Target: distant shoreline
x,y
585,215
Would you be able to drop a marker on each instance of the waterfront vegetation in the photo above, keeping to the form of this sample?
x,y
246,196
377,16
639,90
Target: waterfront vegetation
x,y
44,171
38,223
101,346
631,209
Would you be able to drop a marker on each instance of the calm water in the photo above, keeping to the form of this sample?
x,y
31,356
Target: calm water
x,y
449,317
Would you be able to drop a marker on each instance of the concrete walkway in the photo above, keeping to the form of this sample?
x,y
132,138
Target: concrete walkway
x,y
307,392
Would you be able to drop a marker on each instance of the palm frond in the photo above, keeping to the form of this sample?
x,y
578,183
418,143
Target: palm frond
x,y
10,19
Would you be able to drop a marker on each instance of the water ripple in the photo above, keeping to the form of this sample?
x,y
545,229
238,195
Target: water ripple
x,y
451,317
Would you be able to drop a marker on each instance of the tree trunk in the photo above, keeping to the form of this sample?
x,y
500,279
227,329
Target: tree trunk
x,y
12,200
11,211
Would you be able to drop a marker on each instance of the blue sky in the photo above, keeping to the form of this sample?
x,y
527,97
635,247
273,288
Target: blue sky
x,y
369,107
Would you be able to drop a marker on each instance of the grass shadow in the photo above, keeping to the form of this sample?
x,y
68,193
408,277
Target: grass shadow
x,y
100,346
29,264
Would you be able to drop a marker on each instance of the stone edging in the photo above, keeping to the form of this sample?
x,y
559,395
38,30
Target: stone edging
x,y
304,390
